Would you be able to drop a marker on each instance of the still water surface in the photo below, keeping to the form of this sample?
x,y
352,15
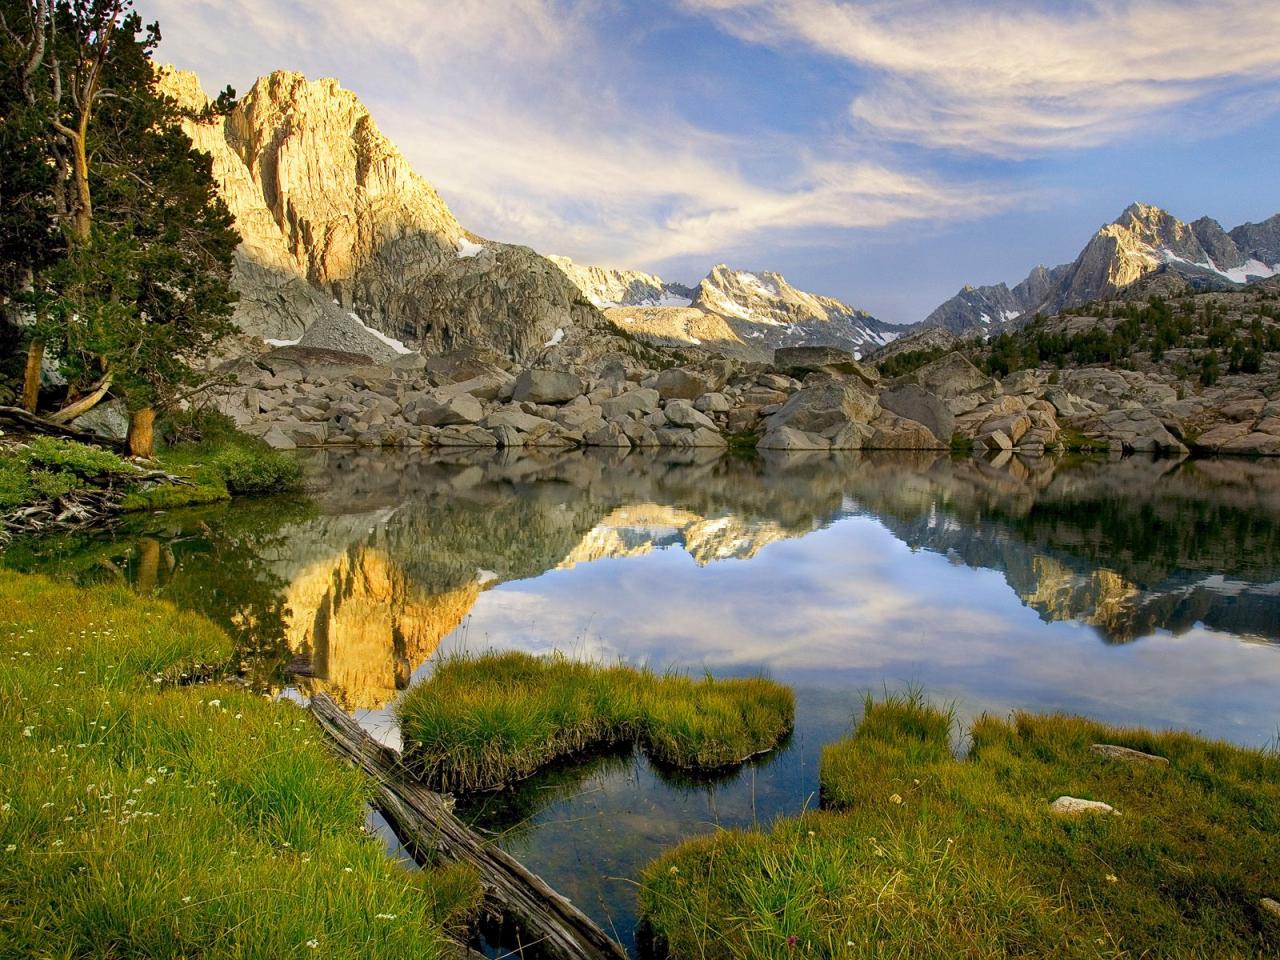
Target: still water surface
x,y
1138,591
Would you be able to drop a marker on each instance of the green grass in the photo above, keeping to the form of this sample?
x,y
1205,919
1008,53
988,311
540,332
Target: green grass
x,y
207,446
219,462
485,722
45,468
140,818
922,855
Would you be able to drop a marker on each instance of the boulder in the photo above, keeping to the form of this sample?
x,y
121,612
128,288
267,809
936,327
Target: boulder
x,y
278,439
608,435
789,438
951,376
451,411
679,383
683,438
547,386
1074,806
515,419
1116,752
914,402
463,436
639,401
826,360
109,420
682,413
486,386
712,403
893,432
823,406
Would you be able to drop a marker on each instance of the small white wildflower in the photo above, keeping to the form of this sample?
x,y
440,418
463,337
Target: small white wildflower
x,y
26,731
313,944
150,781
186,899
347,870
215,703
385,916
11,848
895,799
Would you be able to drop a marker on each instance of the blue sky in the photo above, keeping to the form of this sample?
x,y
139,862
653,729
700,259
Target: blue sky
x,y
882,152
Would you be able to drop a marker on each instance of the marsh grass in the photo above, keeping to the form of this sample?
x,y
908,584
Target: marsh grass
x,y
484,722
143,818
920,854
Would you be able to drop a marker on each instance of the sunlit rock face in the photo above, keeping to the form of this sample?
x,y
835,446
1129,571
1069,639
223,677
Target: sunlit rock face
x,y
366,626
337,226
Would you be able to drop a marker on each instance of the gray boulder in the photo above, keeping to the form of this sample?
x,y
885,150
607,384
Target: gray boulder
x,y
951,376
828,360
826,406
639,401
678,383
682,413
914,402
547,386
451,411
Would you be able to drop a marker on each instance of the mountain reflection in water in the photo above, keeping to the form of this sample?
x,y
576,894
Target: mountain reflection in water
x,y
400,549
1137,591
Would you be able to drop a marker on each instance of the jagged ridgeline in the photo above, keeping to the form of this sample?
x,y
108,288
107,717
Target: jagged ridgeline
x,y
1143,241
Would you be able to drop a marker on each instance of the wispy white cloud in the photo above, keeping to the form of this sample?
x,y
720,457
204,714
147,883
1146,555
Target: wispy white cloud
x,y
512,111
1011,79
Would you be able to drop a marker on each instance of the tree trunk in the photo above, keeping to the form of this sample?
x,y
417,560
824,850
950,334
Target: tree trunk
x,y
141,427
31,379
86,403
82,211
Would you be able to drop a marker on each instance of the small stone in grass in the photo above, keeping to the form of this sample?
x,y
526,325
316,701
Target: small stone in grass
x,y
1271,907
1125,753
1074,806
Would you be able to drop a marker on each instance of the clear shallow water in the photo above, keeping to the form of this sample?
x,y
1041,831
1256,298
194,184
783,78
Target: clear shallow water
x,y
1139,591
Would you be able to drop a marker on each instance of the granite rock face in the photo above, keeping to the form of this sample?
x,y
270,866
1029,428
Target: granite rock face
x,y
338,230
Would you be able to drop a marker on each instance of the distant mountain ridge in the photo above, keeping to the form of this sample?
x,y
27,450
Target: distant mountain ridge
x,y
1142,241
736,311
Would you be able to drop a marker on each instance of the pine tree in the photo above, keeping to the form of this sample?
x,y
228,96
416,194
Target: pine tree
x,y
142,291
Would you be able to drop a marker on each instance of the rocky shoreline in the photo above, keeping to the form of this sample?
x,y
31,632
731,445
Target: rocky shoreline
x,y
808,399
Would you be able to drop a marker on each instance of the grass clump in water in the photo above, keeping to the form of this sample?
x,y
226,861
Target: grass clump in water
x,y
481,723
140,818
919,854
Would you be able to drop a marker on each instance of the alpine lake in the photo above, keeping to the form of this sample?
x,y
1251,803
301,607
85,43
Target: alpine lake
x,y
1134,591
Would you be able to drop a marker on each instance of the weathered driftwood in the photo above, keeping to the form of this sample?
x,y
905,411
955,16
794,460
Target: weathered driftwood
x,y
423,821
20,420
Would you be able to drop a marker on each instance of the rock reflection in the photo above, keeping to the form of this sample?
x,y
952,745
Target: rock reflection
x,y
361,588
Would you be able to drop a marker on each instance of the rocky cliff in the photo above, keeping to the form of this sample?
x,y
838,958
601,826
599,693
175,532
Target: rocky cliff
x,y
1142,241
341,235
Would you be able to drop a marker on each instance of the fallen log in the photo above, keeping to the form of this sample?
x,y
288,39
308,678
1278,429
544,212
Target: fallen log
x,y
423,821
22,421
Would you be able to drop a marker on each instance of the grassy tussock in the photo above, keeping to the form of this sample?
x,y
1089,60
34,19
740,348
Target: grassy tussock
x,y
921,855
143,819
480,723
